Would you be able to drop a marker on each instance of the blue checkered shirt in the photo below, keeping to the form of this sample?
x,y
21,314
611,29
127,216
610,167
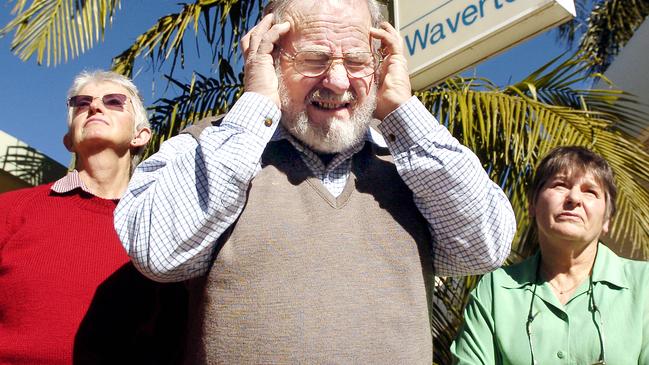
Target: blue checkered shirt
x,y
180,200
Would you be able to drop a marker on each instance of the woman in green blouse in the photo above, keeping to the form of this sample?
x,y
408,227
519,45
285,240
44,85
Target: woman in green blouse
x,y
574,301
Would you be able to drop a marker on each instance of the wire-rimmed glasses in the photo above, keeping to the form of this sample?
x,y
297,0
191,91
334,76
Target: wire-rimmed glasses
x,y
315,63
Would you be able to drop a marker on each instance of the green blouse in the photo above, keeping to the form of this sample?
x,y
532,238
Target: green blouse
x,y
496,317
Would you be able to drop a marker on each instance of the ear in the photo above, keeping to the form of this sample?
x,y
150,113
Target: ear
x,y
141,137
67,142
605,225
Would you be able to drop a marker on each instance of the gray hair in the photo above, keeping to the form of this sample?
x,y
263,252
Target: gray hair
x,y
280,7
140,119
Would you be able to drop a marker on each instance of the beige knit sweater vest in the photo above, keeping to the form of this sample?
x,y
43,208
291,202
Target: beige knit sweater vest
x,y
307,278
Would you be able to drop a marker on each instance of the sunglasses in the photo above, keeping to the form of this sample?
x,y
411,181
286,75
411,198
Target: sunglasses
x,y
110,101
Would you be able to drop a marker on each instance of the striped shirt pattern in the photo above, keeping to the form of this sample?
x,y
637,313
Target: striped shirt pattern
x,y
69,182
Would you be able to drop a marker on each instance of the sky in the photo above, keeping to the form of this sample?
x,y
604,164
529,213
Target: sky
x,y
32,97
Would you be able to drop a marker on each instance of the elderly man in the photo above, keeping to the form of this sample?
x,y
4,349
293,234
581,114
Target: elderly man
x,y
315,242
68,292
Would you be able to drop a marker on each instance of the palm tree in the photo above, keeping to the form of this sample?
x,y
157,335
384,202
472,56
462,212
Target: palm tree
x,y
603,27
509,128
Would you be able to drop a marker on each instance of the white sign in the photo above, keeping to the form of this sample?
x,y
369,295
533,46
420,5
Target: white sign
x,y
443,37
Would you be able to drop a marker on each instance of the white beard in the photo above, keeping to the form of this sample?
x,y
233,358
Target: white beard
x,y
335,135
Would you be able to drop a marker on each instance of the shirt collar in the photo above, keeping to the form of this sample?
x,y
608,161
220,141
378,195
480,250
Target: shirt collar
x,y
607,268
371,135
522,274
311,158
69,182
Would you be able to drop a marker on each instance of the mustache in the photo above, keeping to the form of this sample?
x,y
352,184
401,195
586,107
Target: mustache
x,y
322,94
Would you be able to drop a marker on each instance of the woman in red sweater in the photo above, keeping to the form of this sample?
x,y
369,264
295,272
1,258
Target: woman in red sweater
x,y
68,292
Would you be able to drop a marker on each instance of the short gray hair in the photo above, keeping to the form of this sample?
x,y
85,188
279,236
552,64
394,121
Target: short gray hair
x,y
140,119
280,7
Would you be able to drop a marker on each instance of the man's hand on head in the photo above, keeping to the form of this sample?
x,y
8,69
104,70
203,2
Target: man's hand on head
x,y
258,45
394,82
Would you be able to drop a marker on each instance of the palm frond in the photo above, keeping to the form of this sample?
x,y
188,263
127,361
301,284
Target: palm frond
x,y
554,83
202,97
511,132
603,27
58,30
610,26
220,22
572,30
450,296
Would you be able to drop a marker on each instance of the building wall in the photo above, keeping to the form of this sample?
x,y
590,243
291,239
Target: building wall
x,y
23,166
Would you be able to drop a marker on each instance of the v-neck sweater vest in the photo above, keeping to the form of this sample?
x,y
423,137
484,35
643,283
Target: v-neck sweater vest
x,y
305,277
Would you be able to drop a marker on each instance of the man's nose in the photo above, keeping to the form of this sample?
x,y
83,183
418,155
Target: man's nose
x,y
336,78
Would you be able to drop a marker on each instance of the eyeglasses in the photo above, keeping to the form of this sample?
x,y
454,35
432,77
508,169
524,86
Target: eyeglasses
x,y
110,101
316,63
594,310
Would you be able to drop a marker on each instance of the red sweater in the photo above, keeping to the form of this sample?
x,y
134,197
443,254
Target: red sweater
x,y
63,271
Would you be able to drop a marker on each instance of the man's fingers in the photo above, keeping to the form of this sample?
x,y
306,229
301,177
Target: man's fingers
x,y
390,40
394,81
253,45
245,42
262,38
258,45
272,36
250,41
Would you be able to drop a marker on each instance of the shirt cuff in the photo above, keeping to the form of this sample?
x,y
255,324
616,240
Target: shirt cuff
x,y
255,114
408,124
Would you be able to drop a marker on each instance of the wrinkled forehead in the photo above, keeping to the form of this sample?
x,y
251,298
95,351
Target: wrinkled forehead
x,y
102,88
329,25
579,173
